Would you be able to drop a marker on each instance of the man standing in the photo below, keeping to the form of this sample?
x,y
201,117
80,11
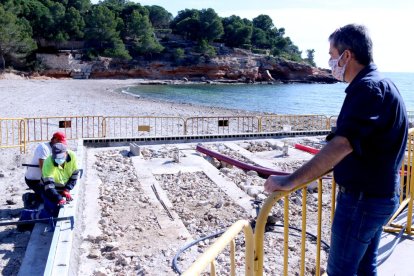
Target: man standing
x,y
34,171
365,152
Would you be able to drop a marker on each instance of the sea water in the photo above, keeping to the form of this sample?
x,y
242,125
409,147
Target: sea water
x,y
323,99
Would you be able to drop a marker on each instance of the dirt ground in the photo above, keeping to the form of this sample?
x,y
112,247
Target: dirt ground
x,y
134,237
12,243
130,234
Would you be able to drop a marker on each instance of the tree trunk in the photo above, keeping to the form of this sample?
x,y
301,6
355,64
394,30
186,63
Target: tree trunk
x,y
2,62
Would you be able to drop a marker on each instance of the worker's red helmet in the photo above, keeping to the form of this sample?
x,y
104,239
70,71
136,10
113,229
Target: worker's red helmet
x,y
60,137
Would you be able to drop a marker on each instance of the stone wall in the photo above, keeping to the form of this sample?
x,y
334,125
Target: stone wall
x,y
65,65
61,61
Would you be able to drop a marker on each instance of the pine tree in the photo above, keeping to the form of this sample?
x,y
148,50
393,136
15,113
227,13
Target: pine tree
x,y
15,38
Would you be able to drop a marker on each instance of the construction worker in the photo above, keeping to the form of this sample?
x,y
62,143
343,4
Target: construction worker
x,y
34,170
59,176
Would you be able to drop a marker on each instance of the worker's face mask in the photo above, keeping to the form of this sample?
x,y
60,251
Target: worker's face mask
x,y
337,71
60,161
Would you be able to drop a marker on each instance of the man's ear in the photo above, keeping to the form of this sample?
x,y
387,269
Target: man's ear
x,y
348,55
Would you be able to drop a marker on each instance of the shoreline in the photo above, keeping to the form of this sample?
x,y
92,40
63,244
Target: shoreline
x,y
16,75
191,105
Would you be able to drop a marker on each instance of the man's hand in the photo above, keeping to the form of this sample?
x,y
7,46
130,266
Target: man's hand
x,y
67,195
61,202
278,183
330,155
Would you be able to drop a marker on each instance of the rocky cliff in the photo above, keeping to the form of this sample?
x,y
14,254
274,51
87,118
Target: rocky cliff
x,y
237,66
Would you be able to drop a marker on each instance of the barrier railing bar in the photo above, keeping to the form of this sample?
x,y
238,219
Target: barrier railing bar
x,y
232,258
210,254
333,200
318,240
286,236
303,238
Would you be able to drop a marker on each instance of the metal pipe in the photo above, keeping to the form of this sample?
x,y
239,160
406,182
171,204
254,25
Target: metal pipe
x,y
306,148
262,171
33,221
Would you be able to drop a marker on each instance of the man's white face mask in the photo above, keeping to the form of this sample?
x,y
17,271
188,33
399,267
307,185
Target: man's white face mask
x,y
60,161
337,71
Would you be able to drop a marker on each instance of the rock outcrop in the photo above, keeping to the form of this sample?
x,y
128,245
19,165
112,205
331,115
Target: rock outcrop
x,y
237,66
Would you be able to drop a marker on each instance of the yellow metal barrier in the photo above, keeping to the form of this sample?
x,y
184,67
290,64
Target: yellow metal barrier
x,y
227,238
406,190
221,125
293,122
132,126
214,250
411,117
332,121
262,219
41,129
13,133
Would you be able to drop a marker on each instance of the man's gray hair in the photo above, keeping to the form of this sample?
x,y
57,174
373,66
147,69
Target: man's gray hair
x,y
356,39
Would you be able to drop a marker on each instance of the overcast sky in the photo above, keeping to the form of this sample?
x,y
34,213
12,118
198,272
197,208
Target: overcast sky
x,y
310,22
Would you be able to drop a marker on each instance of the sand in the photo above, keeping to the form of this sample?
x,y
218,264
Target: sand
x,y
36,98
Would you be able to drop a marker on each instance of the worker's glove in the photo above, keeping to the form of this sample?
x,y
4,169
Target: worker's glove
x,y
67,195
61,202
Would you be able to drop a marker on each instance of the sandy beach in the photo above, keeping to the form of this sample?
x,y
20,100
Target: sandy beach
x,y
37,98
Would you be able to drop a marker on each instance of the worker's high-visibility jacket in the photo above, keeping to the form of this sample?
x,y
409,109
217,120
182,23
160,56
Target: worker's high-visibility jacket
x,y
59,177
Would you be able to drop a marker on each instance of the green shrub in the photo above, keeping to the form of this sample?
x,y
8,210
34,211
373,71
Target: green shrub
x,y
178,54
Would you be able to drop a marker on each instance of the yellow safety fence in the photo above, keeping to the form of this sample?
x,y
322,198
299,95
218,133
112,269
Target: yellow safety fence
x,y
41,129
332,121
222,125
135,126
293,123
406,190
227,239
320,220
13,133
